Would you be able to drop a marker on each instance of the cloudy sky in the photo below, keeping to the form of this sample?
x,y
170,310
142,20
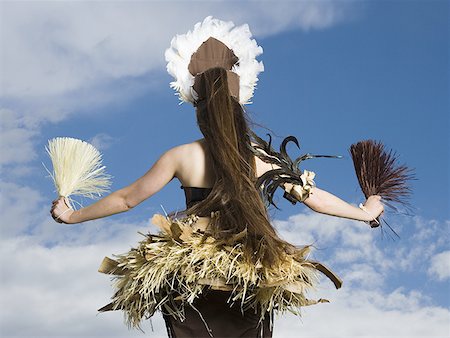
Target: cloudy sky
x,y
335,73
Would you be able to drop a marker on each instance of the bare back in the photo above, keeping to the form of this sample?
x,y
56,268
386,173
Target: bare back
x,y
195,167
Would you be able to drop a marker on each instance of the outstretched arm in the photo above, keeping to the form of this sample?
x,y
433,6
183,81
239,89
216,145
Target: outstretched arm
x,y
126,198
323,202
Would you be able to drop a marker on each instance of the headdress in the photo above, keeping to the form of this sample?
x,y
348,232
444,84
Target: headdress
x,y
214,43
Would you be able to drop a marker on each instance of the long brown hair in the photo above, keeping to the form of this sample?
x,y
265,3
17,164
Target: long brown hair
x,y
224,125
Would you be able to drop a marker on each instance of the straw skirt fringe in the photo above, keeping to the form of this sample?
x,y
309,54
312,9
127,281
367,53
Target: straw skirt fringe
x,y
185,274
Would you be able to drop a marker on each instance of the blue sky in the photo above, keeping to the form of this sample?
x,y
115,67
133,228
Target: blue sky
x,y
335,73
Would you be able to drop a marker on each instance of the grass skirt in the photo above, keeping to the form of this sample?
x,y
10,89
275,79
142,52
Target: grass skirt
x,y
171,270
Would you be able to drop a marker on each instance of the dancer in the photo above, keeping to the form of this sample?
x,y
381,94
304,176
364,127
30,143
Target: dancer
x,y
219,268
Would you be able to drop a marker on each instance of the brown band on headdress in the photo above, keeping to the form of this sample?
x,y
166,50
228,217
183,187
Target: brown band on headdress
x,y
233,85
213,53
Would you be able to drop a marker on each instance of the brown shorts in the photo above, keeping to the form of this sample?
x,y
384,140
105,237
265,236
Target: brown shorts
x,y
222,320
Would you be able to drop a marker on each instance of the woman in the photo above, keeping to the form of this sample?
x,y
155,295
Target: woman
x,y
218,174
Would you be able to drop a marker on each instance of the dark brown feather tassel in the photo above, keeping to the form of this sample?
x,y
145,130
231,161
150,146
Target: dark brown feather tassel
x,y
379,173
288,171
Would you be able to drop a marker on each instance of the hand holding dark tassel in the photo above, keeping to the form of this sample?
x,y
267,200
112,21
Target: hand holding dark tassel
x,y
379,173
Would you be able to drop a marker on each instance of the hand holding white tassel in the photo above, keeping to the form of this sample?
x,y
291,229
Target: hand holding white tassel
x,y
61,210
77,170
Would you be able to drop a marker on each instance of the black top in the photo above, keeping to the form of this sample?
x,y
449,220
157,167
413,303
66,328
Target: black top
x,y
194,195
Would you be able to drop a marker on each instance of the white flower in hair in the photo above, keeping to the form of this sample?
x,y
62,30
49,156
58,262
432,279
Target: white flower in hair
x,y
237,38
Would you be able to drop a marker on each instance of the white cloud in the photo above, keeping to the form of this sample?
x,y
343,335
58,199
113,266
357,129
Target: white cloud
x,y
60,57
440,266
102,141
49,278
48,270
368,313
18,134
57,291
364,275
19,208
55,48
353,242
15,134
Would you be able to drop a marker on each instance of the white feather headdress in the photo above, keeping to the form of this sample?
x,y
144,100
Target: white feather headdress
x,y
237,38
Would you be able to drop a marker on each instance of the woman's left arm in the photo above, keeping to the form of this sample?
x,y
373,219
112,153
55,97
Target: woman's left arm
x,y
161,173
326,203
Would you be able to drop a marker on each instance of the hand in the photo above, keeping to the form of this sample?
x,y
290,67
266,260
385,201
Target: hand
x,y
61,211
374,206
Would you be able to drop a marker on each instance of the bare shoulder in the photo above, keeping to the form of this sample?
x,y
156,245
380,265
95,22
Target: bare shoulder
x,y
187,149
193,167
194,155
184,154
176,158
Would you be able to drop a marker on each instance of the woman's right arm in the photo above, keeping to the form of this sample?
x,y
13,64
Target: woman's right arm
x,y
126,198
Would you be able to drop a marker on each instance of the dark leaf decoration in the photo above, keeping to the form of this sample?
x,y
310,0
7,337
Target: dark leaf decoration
x,y
379,173
287,170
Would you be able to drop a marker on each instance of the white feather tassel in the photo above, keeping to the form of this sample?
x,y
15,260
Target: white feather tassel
x,y
77,168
